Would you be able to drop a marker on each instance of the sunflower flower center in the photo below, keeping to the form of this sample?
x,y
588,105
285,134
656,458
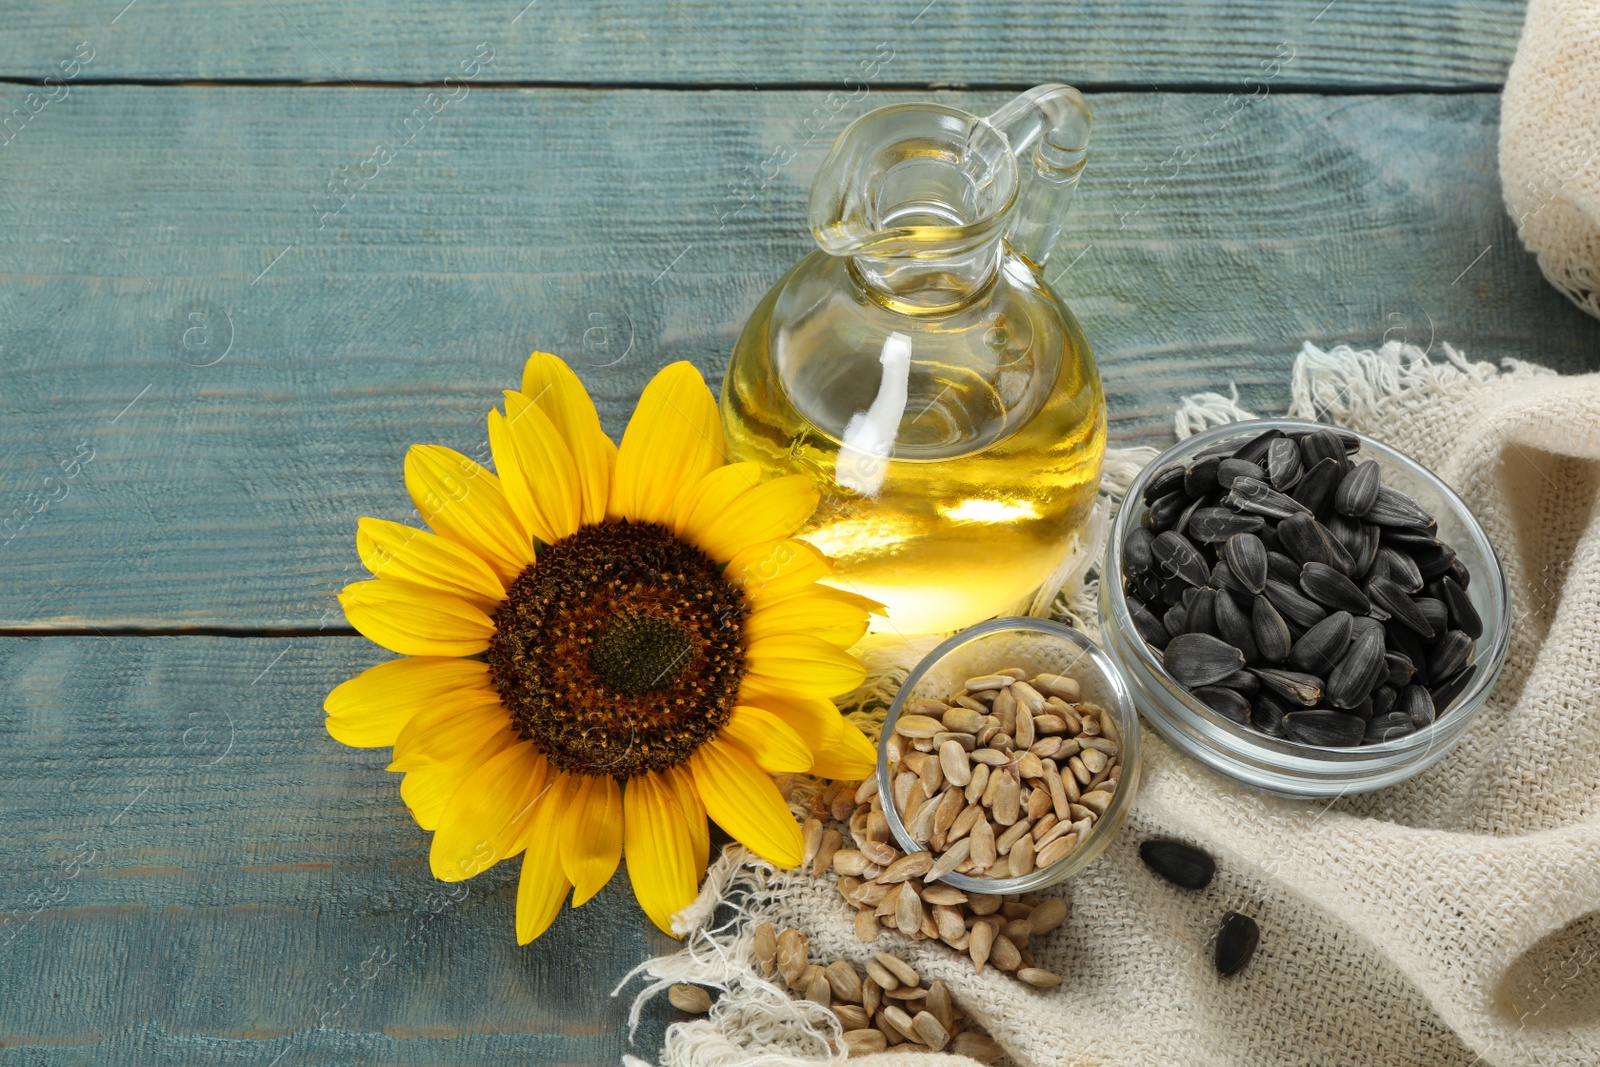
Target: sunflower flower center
x,y
620,650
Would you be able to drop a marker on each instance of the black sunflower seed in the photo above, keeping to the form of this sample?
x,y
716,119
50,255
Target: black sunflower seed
x,y
1358,490
1201,476
1363,709
1236,943
1434,561
1321,648
1222,577
1246,557
1255,450
1404,640
1231,704
1181,525
1315,489
1201,617
1282,568
1367,557
1362,668
1147,587
1271,633
1136,555
1267,712
1293,686
1200,659
1400,669
1457,572
1346,532
1417,704
1177,557
1387,727
1394,508
1462,614
1215,525
1172,587
1149,627
1343,561
1174,618
1348,438
1384,699
1330,729
1259,498
1319,445
1283,464
1391,598
1450,654
1327,585
1305,540
1178,862
1168,479
1233,626
1446,693
1295,608
1244,681
1165,511
1410,538
1399,568
1434,611
1232,468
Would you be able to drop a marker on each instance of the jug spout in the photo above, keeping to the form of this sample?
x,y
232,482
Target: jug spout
x,y
1048,130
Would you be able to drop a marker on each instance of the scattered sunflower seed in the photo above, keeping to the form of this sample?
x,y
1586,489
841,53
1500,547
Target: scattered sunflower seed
x,y
1178,862
1236,943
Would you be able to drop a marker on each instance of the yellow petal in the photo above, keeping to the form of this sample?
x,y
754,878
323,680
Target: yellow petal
x,y
778,569
673,440
486,818
415,621
770,511
550,383
771,742
836,621
850,758
800,663
369,710
407,554
742,799
716,490
542,886
465,503
456,725
864,604
427,790
694,815
815,719
591,833
661,860
536,469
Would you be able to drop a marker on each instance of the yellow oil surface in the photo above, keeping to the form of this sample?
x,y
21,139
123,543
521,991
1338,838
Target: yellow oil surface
x,y
947,535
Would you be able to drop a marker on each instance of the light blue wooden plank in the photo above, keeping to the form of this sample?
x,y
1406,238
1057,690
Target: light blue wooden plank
x,y
146,231
1352,43
196,873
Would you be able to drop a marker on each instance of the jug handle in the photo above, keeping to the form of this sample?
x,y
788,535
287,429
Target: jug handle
x,y
1048,130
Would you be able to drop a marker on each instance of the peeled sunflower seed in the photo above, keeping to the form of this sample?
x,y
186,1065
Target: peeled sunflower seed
x,y
1236,943
689,998
1358,490
1200,659
1178,862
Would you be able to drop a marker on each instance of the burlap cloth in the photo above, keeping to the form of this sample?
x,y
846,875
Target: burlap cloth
x,y
1452,919
1550,144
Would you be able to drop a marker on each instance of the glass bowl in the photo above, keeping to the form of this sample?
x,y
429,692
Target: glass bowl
x,y
1037,646
1286,767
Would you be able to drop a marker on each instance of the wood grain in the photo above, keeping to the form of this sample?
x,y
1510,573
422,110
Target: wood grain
x,y
1108,43
248,366
195,872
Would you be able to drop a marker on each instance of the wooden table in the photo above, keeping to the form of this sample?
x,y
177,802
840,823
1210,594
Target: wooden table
x,y
251,251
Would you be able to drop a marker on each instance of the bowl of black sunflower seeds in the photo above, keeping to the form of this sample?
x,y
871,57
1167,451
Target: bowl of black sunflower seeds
x,y
1303,607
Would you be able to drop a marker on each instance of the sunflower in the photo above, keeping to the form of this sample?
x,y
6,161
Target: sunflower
x,y
603,646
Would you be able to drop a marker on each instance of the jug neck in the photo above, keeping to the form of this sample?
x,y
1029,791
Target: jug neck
x,y
933,281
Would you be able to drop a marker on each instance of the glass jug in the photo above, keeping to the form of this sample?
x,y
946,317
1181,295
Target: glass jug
x,y
919,368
